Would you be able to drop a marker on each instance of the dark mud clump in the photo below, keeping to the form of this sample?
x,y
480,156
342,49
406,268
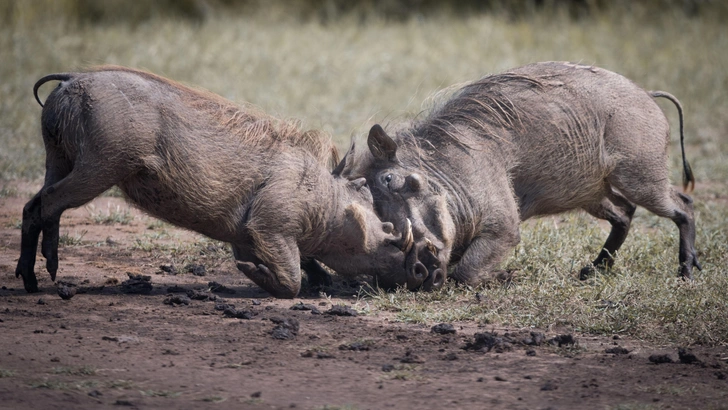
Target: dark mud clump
x,y
168,269
176,299
66,292
687,357
410,358
219,288
563,340
488,341
341,310
285,329
196,269
231,312
616,350
660,358
443,329
137,284
357,346
195,294
301,306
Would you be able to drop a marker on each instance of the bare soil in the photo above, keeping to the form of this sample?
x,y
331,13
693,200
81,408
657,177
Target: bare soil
x,y
144,342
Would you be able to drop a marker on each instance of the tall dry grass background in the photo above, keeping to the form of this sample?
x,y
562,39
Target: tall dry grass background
x,y
342,66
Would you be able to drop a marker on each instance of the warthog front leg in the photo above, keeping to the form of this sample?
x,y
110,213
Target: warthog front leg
x,y
481,259
273,264
618,211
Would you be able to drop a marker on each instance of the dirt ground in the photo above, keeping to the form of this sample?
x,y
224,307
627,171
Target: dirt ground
x,y
144,344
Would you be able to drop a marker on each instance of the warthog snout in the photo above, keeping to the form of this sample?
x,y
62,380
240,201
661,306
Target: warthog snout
x,y
423,269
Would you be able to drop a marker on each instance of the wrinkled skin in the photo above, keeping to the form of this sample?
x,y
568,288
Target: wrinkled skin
x,y
200,162
540,139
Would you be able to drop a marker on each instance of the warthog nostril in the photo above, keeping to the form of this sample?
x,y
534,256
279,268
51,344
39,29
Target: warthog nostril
x,y
416,276
420,271
438,278
435,280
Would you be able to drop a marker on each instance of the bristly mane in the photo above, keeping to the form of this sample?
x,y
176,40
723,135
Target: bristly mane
x,y
246,120
483,106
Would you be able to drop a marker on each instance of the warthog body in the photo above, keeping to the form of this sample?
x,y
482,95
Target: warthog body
x,y
537,140
200,162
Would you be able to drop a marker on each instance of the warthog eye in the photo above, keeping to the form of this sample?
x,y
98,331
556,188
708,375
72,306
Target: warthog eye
x,y
388,179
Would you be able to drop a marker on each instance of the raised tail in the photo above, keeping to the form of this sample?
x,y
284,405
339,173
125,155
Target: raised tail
x,y
49,77
688,178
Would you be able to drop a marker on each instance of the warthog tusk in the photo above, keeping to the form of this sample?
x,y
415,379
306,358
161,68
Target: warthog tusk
x,y
407,238
431,247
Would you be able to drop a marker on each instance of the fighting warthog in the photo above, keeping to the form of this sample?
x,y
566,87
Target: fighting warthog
x,y
198,161
536,140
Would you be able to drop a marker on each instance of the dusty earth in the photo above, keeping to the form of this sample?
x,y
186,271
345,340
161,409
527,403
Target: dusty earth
x,y
120,342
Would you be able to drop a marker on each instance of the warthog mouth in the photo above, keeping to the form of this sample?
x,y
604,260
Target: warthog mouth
x,y
423,269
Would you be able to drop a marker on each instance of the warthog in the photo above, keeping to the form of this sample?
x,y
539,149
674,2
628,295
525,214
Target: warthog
x,y
200,162
537,140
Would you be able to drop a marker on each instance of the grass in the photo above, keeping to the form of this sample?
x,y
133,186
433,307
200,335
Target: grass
x,y
112,215
74,371
346,74
6,373
69,240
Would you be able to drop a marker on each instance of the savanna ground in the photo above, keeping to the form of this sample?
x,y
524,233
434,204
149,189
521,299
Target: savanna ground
x,y
110,345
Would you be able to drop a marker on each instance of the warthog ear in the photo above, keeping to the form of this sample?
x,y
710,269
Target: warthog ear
x,y
340,168
382,145
358,183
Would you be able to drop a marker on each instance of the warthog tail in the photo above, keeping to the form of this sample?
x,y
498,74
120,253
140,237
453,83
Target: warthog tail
x,y
49,77
688,178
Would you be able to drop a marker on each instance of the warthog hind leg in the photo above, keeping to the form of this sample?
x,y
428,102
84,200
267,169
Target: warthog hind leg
x,y
30,232
618,211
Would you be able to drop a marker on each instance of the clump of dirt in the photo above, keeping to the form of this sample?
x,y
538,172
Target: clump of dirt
x,y
357,346
563,340
341,310
410,357
195,294
175,299
196,269
443,329
487,341
286,328
307,307
231,312
137,284
169,269
66,292
660,358
219,288
616,350
687,357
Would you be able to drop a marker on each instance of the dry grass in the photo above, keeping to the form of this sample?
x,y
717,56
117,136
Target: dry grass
x,y
344,75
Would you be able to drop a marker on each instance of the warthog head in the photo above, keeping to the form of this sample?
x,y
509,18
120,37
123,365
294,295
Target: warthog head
x,y
403,196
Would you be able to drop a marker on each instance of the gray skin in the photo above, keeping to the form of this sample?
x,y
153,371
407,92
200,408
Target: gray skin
x,y
537,140
198,161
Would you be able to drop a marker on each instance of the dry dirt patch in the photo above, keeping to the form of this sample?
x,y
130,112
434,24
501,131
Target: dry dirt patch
x,y
135,334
